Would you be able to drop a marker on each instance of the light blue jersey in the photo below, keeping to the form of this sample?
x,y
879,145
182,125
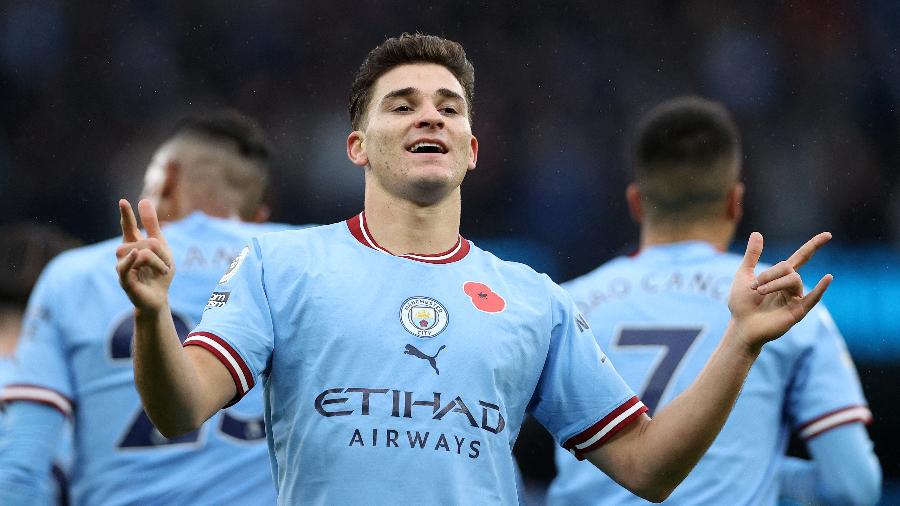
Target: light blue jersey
x,y
56,485
405,379
75,355
660,315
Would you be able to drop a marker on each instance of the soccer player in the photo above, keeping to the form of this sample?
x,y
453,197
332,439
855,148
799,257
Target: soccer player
x,y
662,312
398,358
27,247
75,354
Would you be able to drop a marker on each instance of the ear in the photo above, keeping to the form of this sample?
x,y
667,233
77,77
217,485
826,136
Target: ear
x,y
633,197
356,149
736,203
473,152
171,178
169,204
262,214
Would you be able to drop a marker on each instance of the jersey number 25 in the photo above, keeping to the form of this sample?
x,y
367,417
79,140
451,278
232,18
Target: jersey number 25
x,y
142,434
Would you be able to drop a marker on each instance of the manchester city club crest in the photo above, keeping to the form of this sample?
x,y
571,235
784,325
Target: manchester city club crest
x,y
423,317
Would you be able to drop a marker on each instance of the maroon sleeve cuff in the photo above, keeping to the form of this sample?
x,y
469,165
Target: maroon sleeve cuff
x,y
596,435
39,394
833,419
229,357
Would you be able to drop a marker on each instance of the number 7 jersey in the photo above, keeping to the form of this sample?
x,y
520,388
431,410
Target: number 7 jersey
x,y
75,355
659,315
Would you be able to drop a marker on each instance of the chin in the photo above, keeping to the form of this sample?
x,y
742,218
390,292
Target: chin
x,y
431,190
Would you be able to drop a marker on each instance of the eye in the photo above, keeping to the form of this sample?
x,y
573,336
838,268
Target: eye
x,y
449,110
402,108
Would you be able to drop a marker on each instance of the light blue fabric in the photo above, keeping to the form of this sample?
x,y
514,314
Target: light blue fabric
x,y
394,381
843,471
29,438
76,347
659,315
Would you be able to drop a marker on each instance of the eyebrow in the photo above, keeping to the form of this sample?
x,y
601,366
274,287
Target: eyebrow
x,y
409,90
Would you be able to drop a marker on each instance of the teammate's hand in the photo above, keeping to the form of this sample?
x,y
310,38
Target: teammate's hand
x,y
145,265
764,307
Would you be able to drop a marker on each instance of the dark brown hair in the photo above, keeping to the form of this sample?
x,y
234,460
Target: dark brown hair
x,y
686,156
243,132
26,250
405,49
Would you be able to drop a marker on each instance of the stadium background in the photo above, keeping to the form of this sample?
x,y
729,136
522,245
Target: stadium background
x,y
88,89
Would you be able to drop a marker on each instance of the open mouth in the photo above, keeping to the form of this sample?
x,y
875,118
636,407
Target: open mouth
x,y
427,147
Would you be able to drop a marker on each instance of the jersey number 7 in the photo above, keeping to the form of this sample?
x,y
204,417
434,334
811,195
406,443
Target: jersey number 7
x,y
141,433
676,342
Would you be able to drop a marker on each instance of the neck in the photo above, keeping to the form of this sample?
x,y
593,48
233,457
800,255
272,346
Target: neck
x,y
719,234
169,212
404,227
10,326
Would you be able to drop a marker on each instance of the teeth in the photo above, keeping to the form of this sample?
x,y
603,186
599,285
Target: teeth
x,y
422,145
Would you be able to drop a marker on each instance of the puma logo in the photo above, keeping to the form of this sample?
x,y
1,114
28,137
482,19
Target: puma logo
x,y
412,350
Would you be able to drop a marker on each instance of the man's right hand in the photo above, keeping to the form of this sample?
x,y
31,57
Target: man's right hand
x,y
145,265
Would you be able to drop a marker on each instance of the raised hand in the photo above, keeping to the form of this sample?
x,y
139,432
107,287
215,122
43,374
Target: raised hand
x,y
764,307
145,265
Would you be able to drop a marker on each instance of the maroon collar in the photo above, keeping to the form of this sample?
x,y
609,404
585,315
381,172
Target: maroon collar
x,y
360,230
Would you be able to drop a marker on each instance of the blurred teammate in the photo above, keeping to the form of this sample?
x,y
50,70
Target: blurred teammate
x,y
75,355
26,250
660,314
398,358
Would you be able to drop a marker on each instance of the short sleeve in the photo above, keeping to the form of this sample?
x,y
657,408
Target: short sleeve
x,y
580,398
825,391
40,371
236,326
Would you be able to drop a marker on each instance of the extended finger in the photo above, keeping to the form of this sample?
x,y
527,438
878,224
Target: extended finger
x,y
149,219
813,297
802,255
754,250
778,270
791,283
130,230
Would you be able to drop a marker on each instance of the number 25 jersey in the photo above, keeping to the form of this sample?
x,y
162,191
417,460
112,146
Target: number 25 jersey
x,y
75,355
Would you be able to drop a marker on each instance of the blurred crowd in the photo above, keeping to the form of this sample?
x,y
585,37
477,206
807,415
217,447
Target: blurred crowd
x,y
86,87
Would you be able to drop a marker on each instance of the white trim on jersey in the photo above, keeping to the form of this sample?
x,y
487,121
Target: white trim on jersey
x,y
835,419
232,364
445,256
610,426
37,394
365,233
596,435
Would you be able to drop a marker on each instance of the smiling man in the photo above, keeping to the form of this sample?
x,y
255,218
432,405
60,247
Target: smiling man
x,y
398,358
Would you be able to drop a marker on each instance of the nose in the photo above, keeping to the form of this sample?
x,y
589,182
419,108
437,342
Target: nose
x,y
429,117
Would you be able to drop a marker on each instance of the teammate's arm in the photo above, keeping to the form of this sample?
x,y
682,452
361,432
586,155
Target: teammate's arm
x,y
29,438
843,469
651,457
180,388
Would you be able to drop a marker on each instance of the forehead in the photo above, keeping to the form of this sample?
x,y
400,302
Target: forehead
x,y
425,77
